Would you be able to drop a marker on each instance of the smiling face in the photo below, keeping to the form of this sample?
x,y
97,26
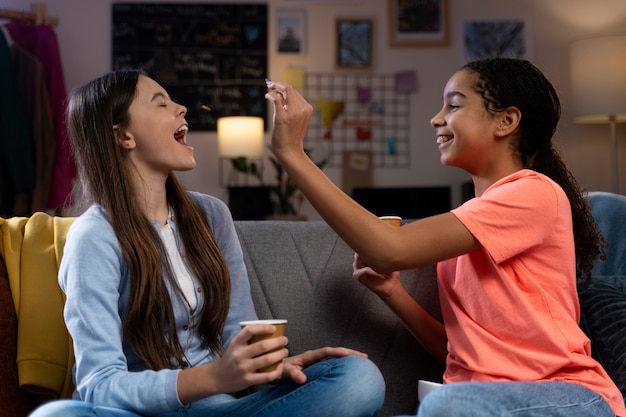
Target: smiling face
x,y
156,135
466,131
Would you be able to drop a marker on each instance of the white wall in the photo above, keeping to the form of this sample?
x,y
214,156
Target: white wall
x,y
84,35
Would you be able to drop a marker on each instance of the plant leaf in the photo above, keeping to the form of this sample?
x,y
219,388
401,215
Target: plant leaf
x,y
239,164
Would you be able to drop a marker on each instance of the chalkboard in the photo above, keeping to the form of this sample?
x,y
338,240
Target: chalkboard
x,y
202,54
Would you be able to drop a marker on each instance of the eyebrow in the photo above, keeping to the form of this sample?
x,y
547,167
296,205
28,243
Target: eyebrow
x,y
451,94
159,95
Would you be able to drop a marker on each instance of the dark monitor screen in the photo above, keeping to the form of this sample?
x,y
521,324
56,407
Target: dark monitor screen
x,y
406,202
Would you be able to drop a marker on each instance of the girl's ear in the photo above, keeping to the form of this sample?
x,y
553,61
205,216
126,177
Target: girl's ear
x,y
123,138
508,121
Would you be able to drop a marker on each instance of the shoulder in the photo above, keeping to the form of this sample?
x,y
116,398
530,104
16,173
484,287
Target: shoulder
x,y
91,230
208,204
214,209
523,198
534,183
528,183
525,189
94,220
91,251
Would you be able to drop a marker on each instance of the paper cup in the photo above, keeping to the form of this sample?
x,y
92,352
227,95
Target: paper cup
x,y
280,331
424,387
392,220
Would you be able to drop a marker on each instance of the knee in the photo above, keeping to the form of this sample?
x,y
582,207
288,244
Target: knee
x,y
364,380
434,405
459,399
64,408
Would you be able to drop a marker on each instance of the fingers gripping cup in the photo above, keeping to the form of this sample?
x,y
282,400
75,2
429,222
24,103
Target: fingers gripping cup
x,y
280,331
392,220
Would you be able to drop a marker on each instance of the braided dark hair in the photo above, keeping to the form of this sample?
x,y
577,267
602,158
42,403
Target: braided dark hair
x,y
508,82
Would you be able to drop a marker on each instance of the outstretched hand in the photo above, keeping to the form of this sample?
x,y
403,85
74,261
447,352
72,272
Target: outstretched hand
x,y
381,285
291,117
294,365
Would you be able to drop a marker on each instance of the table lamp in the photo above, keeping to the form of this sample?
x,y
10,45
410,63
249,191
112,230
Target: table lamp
x,y
239,137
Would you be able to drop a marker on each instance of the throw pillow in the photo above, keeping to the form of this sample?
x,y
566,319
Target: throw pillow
x,y
603,318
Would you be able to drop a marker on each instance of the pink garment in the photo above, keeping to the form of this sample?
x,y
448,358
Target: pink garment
x,y
511,308
41,41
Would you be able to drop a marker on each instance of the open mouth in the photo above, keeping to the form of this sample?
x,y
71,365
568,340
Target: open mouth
x,y
443,139
180,134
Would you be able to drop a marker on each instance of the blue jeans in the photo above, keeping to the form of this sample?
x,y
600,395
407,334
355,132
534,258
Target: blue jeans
x,y
518,399
350,386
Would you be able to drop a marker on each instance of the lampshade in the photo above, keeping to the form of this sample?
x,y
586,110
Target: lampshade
x,y
240,136
598,74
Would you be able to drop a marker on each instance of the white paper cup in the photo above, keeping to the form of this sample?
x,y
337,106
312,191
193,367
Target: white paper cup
x,y
424,387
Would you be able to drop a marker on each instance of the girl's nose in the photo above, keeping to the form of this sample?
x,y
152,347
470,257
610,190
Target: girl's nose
x,y
436,121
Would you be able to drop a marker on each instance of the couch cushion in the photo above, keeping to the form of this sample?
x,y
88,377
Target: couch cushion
x,y
14,401
603,296
603,307
609,212
302,272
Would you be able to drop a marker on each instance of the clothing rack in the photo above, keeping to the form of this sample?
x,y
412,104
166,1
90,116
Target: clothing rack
x,y
38,15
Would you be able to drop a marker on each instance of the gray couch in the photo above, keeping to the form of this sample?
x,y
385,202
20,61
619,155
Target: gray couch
x,y
302,272
299,271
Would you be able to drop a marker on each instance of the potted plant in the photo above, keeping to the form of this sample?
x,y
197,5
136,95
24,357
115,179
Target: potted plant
x,y
286,197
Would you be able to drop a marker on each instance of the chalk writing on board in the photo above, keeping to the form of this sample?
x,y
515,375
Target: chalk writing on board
x,y
202,54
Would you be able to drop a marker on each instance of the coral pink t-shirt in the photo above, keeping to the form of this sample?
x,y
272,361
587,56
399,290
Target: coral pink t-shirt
x,y
511,308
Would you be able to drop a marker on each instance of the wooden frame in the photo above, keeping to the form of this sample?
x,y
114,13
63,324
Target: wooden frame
x,y
418,23
291,32
355,44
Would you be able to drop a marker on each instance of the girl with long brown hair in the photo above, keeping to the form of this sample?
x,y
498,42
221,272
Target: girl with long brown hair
x,y
156,284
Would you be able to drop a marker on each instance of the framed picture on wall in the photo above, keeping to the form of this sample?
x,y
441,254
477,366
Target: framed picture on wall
x,y
354,48
418,23
291,32
497,38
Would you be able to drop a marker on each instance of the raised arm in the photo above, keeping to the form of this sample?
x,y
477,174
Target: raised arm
x,y
383,247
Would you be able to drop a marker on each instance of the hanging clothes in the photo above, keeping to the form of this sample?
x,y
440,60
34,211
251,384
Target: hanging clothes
x,y
32,82
41,41
18,169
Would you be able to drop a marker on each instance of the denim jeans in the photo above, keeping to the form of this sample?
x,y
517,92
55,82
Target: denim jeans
x,y
350,386
518,399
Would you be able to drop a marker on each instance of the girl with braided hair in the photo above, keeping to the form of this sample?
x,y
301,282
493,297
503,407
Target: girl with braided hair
x,y
507,259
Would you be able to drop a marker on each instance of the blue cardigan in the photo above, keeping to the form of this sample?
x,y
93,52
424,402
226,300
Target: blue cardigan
x,y
95,279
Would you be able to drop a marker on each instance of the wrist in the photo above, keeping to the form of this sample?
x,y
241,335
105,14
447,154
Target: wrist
x,y
196,383
392,294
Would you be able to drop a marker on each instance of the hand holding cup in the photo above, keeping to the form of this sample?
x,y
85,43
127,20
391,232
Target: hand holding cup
x,y
280,331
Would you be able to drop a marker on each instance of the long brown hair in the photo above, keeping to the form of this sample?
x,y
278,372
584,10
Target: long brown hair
x,y
106,179
506,82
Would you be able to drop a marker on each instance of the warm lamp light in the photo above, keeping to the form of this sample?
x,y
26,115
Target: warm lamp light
x,y
598,73
239,136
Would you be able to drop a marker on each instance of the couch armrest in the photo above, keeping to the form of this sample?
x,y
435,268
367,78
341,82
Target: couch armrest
x,y
14,401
